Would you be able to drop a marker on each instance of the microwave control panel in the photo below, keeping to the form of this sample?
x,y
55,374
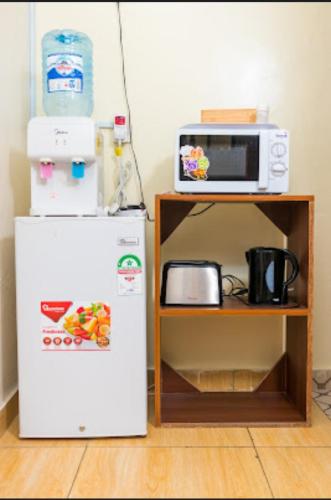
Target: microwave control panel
x,y
278,153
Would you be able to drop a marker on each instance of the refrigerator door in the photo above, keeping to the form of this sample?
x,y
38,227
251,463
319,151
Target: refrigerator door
x,y
86,380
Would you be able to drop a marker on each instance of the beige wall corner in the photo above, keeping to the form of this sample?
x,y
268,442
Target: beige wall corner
x,y
8,413
14,174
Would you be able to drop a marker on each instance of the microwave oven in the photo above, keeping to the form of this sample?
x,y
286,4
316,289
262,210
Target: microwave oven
x,y
239,158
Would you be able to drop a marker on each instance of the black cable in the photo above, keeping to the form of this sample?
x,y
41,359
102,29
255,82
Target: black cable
x,y
232,277
235,291
142,198
202,211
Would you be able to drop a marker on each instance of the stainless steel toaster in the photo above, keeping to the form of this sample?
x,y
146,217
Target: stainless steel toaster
x,y
191,282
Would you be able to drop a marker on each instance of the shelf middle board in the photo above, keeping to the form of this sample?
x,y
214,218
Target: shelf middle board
x,y
234,307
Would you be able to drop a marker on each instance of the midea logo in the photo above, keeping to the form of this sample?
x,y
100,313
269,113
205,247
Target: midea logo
x,y
60,132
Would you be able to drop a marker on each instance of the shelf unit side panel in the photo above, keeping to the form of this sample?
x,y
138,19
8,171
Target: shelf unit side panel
x,y
300,241
157,319
298,350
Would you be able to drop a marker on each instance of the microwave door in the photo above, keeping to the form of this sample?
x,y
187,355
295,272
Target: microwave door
x,y
263,181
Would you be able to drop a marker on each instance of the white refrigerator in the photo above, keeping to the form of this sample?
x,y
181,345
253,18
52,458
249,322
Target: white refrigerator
x,y
81,319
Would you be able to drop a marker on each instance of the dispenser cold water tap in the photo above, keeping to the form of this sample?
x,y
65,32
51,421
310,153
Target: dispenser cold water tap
x,y
66,166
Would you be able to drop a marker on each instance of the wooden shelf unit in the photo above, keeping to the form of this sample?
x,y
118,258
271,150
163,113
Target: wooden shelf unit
x,y
283,398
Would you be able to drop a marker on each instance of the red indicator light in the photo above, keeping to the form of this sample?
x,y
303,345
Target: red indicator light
x,y
119,120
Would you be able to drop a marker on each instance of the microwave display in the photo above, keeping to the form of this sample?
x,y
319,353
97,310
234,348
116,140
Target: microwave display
x,y
219,157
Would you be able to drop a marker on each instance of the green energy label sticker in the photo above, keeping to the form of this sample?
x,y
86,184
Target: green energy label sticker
x,y
129,275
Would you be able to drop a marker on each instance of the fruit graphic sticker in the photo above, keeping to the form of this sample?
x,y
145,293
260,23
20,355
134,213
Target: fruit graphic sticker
x,y
195,163
91,323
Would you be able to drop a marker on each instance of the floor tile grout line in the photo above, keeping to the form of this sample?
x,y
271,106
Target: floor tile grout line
x,y
261,464
41,447
175,447
244,446
77,472
250,437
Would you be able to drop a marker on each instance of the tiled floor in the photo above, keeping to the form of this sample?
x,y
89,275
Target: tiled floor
x,y
173,463
322,390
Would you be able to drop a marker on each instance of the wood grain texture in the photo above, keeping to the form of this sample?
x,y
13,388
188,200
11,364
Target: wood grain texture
x,y
157,319
279,214
156,436
221,380
171,215
275,380
167,437
38,472
233,198
178,437
247,380
226,408
298,472
170,473
310,275
172,381
216,381
8,413
235,115
10,439
233,307
319,434
296,348
298,242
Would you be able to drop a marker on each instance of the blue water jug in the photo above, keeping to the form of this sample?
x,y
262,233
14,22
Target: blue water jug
x,y
67,73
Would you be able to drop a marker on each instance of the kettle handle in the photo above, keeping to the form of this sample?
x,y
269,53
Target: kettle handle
x,y
295,266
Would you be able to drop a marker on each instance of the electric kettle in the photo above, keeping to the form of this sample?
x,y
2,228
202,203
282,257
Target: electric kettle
x,y
267,282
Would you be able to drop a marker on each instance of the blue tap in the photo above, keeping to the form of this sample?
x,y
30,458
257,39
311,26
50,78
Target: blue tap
x,y
78,169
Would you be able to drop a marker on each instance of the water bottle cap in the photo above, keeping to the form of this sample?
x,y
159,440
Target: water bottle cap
x,y
67,38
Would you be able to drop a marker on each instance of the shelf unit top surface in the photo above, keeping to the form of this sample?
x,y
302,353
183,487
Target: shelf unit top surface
x,y
240,198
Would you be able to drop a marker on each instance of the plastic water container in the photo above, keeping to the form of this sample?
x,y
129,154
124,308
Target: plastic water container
x,y
67,73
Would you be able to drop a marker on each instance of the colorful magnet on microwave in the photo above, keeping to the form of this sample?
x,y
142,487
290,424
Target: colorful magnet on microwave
x,y
195,163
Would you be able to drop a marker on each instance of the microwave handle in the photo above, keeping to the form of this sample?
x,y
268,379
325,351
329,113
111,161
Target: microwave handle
x,y
263,181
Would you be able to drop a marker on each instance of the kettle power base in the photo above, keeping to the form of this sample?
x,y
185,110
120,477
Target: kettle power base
x,y
289,305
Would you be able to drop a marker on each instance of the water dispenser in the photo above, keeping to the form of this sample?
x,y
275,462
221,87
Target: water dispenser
x,y
66,166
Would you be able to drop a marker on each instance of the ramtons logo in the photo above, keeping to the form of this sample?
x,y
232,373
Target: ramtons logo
x,y
54,310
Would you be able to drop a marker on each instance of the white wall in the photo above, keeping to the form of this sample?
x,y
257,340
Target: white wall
x,y
14,174
180,58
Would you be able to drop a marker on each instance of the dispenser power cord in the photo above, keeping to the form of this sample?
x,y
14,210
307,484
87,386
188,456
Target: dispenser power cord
x,y
142,197
119,199
141,190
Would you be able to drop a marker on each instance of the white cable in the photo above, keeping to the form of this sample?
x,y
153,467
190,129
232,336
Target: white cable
x,y
119,199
